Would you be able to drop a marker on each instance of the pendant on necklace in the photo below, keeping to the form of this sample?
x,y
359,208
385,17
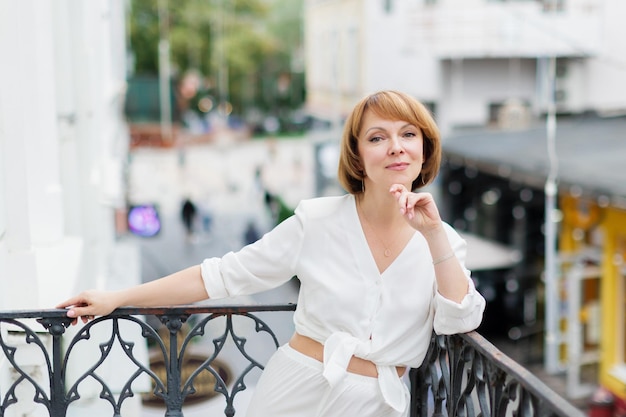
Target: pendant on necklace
x,y
387,253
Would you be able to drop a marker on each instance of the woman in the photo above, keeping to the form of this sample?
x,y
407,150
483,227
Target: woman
x,y
378,269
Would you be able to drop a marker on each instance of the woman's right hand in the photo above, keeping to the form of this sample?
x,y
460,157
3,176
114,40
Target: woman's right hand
x,y
89,304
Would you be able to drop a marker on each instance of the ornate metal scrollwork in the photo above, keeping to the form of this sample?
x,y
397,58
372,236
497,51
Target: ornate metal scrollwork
x,y
57,393
465,376
461,375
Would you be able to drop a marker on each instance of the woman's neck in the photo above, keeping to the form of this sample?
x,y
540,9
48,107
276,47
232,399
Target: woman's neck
x,y
379,209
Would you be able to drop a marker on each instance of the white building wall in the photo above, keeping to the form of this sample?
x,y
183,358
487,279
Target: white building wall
x,y
463,55
606,81
481,28
356,47
473,85
32,191
334,46
393,60
63,140
63,146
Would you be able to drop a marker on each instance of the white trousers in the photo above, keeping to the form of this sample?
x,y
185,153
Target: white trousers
x,y
292,385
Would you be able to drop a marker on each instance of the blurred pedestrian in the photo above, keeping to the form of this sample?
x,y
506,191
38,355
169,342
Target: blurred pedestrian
x,y
251,234
188,214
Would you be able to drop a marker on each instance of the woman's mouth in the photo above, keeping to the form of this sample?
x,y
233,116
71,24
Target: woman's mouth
x,y
398,166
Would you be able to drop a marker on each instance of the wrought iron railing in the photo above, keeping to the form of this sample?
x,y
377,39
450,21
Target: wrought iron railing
x,y
462,375
465,376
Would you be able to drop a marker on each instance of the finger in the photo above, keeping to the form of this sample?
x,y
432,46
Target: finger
x,y
64,304
406,203
419,200
77,300
79,312
400,193
397,189
410,207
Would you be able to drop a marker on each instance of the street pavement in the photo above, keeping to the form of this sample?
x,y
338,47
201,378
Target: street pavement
x,y
222,181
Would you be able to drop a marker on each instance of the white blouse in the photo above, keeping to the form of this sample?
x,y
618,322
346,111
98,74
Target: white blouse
x,y
344,302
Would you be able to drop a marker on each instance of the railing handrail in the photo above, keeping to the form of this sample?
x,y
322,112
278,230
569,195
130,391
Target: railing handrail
x,y
459,374
179,309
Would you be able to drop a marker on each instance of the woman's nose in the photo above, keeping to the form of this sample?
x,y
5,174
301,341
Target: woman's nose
x,y
395,145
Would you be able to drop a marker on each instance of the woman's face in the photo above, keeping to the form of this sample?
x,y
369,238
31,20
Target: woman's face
x,y
392,151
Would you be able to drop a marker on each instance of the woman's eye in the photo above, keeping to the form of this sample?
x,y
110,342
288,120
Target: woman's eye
x,y
376,138
409,135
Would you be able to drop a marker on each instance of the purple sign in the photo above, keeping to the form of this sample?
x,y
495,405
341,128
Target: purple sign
x,y
143,220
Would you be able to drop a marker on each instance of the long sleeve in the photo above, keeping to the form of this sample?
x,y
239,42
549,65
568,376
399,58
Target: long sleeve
x,y
263,265
451,317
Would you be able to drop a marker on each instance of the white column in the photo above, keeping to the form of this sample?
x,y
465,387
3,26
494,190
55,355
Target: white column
x,y
32,188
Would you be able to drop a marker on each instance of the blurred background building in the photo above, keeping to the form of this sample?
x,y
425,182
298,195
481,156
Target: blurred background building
x,y
475,62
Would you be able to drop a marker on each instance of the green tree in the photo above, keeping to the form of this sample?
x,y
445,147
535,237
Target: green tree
x,y
285,67
247,42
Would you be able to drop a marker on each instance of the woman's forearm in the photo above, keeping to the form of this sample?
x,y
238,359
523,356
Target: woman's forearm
x,y
182,287
451,280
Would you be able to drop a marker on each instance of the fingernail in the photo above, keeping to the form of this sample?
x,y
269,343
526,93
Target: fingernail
x,y
71,313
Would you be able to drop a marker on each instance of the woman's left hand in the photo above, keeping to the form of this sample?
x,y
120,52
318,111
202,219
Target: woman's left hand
x,y
419,209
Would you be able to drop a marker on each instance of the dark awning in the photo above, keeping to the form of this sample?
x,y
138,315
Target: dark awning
x,y
591,154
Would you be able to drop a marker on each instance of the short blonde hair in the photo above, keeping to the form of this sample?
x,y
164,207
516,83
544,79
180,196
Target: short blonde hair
x,y
392,105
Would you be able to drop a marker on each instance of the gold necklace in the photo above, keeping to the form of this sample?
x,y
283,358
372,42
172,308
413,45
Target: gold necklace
x,y
387,251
